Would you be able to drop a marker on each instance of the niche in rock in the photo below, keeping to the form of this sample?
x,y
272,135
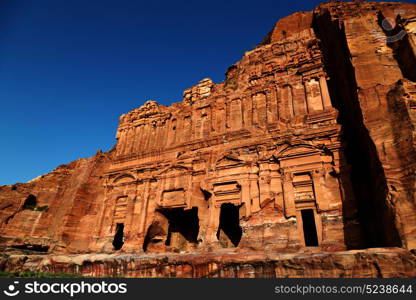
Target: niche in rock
x,y
229,231
182,230
119,236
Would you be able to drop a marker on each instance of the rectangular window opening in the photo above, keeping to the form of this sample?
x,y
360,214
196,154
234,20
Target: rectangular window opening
x,y
309,228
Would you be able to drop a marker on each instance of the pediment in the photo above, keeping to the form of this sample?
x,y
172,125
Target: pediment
x,y
228,160
226,188
173,170
297,150
124,178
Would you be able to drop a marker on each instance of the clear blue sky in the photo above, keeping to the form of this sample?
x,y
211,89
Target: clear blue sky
x,y
70,68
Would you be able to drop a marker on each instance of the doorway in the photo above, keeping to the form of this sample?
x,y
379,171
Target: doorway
x,y
309,228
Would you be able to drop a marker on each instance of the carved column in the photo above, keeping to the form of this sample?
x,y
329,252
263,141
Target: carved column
x,y
326,99
289,200
228,120
151,203
180,126
206,122
318,182
245,195
157,141
254,189
276,185
277,100
137,139
197,123
187,128
122,142
163,128
143,214
287,103
213,221
145,137
235,120
271,107
136,230
299,99
103,210
264,183
131,138
171,135
247,111
313,95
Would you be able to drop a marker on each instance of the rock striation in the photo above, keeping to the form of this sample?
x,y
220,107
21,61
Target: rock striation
x,y
303,155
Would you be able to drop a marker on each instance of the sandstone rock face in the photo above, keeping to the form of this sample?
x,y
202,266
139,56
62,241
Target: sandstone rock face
x,y
373,95
307,146
371,263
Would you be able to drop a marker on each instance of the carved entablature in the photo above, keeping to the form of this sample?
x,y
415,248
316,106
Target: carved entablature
x,y
309,72
199,166
299,157
226,188
149,110
232,72
295,149
279,48
292,54
229,192
324,118
254,80
121,179
173,171
173,198
228,162
149,117
199,91
174,184
292,46
312,48
279,61
261,81
204,110
303,190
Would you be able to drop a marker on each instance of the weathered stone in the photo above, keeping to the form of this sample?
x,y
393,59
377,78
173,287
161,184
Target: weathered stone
x,y
370,263
306,147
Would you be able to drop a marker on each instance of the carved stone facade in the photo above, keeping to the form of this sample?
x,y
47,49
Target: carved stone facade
x,y
292,152
265,141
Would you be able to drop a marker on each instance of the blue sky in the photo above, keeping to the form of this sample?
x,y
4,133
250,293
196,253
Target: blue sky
x,y
69,69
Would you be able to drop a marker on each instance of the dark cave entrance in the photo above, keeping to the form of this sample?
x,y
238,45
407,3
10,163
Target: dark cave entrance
x,y
229,231
183,227
309,228
118,236
30,202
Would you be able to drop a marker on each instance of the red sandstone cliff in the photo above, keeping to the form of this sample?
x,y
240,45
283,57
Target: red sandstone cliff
x,y
306,147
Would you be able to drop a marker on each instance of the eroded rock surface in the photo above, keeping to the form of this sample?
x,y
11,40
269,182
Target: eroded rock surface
x,y
307,145
372,263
